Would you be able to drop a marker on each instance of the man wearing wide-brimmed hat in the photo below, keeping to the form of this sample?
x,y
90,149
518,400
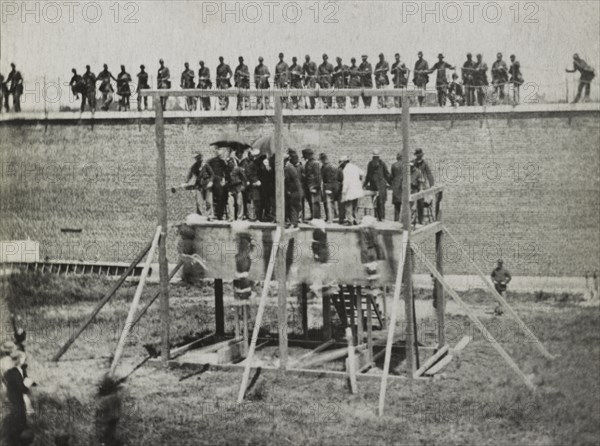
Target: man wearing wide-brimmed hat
x,y
377,180
428,180
312,181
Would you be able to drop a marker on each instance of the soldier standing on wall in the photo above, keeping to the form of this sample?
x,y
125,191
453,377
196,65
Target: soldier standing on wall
x,y
76,84
480,79
381,79
399,77
187,82
421,77
282,77
89,80
204,83
354,81
261,82
499,76
241,80
14,86
585,80
516,77
310,77
340,75
224,75
123,89
468,77
296,80
106,88
163,82
366,80
325,71
142,84
441,81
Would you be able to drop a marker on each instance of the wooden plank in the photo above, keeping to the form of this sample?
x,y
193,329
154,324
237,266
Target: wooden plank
x,y
426,231
332,355
161,214
392,323
259,314
369,327
103,302
487,335
350,363
502,301
134,303
184,348
426,192
311,353
460,346
326,305
431,361
436,368
278,92
231,353
359,317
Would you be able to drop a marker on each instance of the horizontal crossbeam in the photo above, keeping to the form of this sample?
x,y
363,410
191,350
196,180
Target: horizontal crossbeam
x,y
426,192
281,92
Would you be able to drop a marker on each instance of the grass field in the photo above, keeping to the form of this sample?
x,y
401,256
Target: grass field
x,y
478,400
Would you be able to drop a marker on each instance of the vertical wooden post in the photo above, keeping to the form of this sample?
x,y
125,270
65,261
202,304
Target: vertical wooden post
x,y
219,308
304,308
440,301
406,226
359,317
326,302
163,266
280,217
370,327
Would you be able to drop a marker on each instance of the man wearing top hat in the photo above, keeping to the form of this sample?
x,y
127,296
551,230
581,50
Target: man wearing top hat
x,y
377,180
441,81
428,180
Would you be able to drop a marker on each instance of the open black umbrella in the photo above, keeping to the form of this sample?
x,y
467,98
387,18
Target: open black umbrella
x,y
231,144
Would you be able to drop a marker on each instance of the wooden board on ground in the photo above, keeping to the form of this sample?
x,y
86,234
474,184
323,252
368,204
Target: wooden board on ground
x,y
219,353
439,365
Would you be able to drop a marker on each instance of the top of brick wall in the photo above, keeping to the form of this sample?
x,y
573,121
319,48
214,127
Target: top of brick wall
x,y
501,111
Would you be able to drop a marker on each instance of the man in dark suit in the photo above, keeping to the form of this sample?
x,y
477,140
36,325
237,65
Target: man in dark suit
x,y
377,180
17,386
428,181
396,184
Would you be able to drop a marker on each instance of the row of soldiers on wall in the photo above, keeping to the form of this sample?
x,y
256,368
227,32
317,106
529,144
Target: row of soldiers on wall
x,y
239,184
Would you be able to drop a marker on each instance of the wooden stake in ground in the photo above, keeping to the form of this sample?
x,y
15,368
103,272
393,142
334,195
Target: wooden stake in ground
x,y
351,361
103,302
134,303
259,314
392,323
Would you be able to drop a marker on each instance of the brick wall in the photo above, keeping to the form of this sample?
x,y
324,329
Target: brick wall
x,y
522,186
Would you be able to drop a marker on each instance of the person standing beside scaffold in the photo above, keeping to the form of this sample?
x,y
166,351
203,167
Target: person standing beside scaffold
x,y
282,77
354,81
381,79
516,78
187,82
14,86
377,180
399,77
421,78
366,78
261,82
89,95
468,77
325,71
296,80
241,79
500,278
309,69
585,80
163,82
480,79
106,87
499,76
123,89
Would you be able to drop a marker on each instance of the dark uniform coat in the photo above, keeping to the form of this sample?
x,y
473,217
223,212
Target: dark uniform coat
x,y
325,72
223,76
332,180
242,76
396,179
366,74
420,77
310,74
399,74
377,177
204,81
354,78
261,76
381,73
282,73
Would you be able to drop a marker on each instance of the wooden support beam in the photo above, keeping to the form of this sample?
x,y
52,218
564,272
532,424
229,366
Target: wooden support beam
x,y
503,301
359,316
280,218
161,212
486,334
460,345
326,304
431,361
304,308
392,322
102,303
312,353
134,303
219,308
370,306
184,348
351,362
259,314
438,290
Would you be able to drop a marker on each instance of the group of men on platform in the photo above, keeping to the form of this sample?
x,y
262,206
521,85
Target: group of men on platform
x,y
238,183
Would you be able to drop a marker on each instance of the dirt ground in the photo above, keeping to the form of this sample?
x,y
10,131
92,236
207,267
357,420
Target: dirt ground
x,y
478,400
